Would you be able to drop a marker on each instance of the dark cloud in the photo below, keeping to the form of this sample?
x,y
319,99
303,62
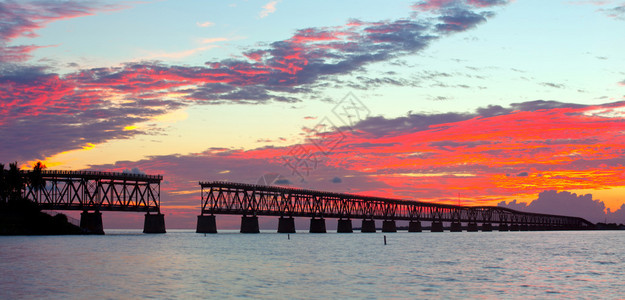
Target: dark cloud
x,y
522,174
553,85
445,145
283,182
486,3
380,126
568,204
617,12
134,170
542,104
460,20
336,180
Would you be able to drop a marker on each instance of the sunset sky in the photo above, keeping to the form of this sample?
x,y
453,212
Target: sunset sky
x,y
470,102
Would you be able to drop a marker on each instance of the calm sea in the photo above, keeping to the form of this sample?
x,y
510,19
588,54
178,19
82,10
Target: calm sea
x,y
183,264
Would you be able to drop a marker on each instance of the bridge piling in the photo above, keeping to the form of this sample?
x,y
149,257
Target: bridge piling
x,y
206,224
414,226
472,227
487,227
91,222
389,226
286,225
455,227
437,226
344,226
154,223
249,224
503,227
317,225
367,226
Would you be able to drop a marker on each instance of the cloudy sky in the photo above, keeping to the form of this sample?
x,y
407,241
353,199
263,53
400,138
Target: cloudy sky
x,y
452,101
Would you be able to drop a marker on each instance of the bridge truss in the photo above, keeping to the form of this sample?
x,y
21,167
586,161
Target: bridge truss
x,y
96,191
255,200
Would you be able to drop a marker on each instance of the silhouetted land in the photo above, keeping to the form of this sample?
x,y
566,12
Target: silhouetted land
x,y
20,216
25,218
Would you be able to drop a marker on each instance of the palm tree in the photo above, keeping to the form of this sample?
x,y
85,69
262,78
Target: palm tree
x,y
35,178
3,185
15,182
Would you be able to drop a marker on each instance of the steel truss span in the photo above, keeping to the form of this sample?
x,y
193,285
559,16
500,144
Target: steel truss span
x,y
96,191
256,200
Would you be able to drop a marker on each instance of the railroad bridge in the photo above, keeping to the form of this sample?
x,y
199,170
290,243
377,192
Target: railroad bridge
x,y
93,192
252,201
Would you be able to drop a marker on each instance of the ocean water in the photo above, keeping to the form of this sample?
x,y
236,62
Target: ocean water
x,y
126,264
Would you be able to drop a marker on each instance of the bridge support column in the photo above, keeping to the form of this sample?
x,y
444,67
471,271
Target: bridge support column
x,y
514,227
344,226
206,224
524,227
503,227
487,227
91,222
154,223
317,225
472,227
455,227
414,226
368,226
286,225
437,226
249,224
389,226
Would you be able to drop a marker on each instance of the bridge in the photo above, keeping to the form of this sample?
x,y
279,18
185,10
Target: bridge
x,y
93,192
252,201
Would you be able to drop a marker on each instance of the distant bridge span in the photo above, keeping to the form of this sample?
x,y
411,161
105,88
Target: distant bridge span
x,y
251,201
93,192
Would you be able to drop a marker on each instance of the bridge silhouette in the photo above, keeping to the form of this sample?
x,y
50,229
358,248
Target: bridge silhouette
x,y
93,192
252,201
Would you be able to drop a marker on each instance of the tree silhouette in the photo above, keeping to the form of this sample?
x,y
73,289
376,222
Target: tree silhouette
x,y
15,182
3,185
35,178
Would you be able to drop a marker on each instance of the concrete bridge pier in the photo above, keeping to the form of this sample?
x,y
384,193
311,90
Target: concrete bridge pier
x,y
487,227
367,226
503,227
154,223
389,226
286,225
472,227
455,227
206,224
524,227
437,226
514,227
91,222
249,224
317,225
414,226
344,226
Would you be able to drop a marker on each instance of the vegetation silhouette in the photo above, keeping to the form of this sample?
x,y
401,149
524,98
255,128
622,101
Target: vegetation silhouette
x,y
21,216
